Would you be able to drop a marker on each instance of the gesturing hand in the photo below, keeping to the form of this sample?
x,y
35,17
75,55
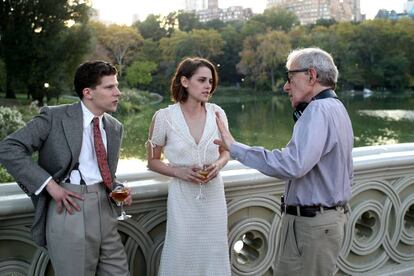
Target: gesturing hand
x,y
226,138
63,197
189,174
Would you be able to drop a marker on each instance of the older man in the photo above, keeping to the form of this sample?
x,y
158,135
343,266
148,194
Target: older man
x,y
317,164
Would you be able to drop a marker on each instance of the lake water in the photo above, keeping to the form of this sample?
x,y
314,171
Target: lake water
x,y
266,120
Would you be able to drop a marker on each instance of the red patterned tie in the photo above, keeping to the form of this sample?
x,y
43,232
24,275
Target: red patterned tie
x,y
101,154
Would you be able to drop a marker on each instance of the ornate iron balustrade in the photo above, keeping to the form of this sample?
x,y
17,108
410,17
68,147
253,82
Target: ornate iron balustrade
x,y
379,235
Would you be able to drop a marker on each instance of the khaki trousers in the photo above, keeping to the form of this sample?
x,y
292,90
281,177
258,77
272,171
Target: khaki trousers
x,y
87,242
310,245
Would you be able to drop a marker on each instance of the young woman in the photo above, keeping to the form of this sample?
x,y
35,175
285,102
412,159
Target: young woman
x,y
196,239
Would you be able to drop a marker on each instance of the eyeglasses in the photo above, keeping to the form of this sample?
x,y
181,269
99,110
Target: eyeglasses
x,y
290,72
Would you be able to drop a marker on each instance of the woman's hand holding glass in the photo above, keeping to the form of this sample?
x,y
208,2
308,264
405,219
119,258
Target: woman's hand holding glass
x,y
189,174
210,172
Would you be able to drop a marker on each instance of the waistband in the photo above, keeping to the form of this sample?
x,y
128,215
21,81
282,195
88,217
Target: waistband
x,y
84,189
311,211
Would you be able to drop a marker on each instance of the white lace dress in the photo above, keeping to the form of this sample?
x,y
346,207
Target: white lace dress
x,y
196,238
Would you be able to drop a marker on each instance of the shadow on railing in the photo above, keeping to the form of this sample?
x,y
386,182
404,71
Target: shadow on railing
x,y
379,236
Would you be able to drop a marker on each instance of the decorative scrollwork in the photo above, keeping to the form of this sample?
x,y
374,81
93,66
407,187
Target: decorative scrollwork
x,y
253,226
379,233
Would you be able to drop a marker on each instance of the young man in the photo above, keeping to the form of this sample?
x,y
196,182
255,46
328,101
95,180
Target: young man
x,y
317,162
78,147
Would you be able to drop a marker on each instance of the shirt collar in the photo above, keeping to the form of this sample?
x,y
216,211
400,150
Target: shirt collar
x,y
88,116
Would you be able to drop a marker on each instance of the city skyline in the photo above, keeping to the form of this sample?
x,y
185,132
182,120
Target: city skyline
x,y
123,11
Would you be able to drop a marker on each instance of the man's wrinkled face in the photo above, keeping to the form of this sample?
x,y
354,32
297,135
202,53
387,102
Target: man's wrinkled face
x,y
297,85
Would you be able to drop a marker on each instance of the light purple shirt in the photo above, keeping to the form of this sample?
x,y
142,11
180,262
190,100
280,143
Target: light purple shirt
x,y
317,161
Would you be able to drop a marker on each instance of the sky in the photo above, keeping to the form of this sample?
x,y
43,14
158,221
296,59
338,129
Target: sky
x,y
122,11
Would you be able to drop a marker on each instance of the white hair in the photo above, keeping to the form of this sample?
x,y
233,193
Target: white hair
x,y
318,59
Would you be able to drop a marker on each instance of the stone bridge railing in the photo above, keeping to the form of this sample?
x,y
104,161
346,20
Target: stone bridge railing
x,y
379,235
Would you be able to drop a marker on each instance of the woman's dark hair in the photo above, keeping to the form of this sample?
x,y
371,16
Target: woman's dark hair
x,y
90,73
187,68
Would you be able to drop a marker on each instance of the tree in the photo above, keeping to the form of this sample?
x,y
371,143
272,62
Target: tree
x,y
215,24
187,21
325,22
139,72
121,42
263,56
272,52
170,23
33,36
151,27
382,64
233,43
202,43
280,19
249,65
253,27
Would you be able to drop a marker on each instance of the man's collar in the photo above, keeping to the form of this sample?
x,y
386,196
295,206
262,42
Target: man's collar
x,y
88,116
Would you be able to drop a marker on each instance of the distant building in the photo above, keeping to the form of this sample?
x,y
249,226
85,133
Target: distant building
x,y
212,4
393,15
196,5
409,8
309,11
135,17
225,15
207,10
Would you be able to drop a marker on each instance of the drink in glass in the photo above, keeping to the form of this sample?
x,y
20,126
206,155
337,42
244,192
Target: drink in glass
x,y
119,195
203,173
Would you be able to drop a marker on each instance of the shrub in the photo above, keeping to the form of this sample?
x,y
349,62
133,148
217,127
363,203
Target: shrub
x,y
10,121
133,101
5,176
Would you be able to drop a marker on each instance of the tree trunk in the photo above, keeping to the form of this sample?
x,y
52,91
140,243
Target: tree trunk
x,y
272,77
36,93
10,94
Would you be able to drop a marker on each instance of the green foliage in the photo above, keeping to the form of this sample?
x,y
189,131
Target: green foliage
x,y
187,21
215,24
253,27
121,43
133,101
140,72
5,176
202,43
325,22
365,53
37,47
151,27
271,19
10,121
233,43
135,132
37,44
280,19
150,50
